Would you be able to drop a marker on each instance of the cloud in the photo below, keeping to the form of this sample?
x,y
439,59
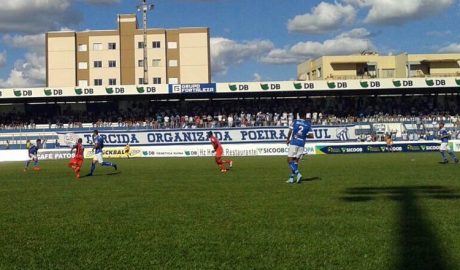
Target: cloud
x,y
30,70
27,72
354,41
439,34
2,59
452,48
257,77
34,42
398,12
37,16
323,18
326,17
102,2
280,56
226,52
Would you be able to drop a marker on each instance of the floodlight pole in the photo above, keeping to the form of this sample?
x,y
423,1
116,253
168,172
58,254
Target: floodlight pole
x,y
144,7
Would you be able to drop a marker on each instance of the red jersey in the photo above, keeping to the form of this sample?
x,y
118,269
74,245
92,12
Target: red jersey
x,y
80,149
215,142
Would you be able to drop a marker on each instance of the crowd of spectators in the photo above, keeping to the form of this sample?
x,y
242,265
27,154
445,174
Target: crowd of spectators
x,y
236,112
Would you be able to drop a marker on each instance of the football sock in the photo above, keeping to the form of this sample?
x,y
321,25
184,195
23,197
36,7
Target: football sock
x,y
36,163
443,154
93,167
294,167
107,164
27,163
452,155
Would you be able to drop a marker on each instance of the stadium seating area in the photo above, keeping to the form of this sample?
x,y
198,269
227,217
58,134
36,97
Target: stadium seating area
x,y
408,117
237,112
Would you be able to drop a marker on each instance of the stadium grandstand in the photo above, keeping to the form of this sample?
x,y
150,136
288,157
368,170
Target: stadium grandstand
x,y
410,114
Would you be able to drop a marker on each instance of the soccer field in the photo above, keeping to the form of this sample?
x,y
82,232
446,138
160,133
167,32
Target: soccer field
x,y
376,211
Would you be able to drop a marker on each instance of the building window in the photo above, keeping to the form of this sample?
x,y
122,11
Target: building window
x,y
97,46
112,81
140,63
82,47
319,73
112,46
173,63
156,62
157,80
172,45
141,80
82,65
112,63
173,80
83,83
97,82
140,45
388,73
97,64
156,44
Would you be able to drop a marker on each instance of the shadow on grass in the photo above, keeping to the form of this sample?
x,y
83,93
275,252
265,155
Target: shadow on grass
x,y
99,175
315,178
418,248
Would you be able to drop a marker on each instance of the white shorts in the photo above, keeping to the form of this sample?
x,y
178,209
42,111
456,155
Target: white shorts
x,y
443,146
295,151
98,157
33,157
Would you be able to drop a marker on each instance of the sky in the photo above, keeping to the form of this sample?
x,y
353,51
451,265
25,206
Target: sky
x,y
251,40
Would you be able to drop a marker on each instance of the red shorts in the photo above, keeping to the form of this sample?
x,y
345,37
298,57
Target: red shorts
x,y
76,161
219,152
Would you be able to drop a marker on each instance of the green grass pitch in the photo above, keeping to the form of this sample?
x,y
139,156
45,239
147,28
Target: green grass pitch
x,y
375,211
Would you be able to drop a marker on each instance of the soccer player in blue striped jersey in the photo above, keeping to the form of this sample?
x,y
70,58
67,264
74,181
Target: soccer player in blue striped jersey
x,y
98,145
299,131
444,137
33,154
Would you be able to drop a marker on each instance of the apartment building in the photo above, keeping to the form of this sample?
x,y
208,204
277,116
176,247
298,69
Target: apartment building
x,y
115,57
372,65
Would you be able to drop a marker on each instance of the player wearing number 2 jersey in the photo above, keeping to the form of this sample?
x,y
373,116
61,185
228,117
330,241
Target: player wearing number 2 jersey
x,y
299,131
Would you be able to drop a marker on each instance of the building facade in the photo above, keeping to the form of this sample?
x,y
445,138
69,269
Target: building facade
x,y
115,57
372,65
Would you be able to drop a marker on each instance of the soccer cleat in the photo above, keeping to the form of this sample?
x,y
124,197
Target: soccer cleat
x,y
25,169
115,167
89,174
231,163
77,176
290,180
443,162
299,178
456,161
223,171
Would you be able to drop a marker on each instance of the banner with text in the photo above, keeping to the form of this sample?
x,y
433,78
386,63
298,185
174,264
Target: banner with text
x,y
233,87
242,149
84,91
199,136
322,85
192,88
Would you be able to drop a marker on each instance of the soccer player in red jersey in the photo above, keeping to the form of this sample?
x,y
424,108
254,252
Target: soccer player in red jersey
x,y
77,161
219,151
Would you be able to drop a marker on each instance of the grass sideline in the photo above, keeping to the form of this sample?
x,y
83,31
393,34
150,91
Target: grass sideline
x,y
361,211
